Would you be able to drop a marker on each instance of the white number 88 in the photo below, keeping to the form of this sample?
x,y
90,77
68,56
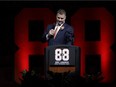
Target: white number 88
x,y
61,54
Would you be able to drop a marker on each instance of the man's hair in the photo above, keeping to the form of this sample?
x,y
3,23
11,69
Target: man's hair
x,y
61,11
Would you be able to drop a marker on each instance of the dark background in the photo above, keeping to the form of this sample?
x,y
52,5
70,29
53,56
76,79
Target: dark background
x,y
9,9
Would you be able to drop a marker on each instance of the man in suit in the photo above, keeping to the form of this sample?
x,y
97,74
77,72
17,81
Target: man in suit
x,y
59,33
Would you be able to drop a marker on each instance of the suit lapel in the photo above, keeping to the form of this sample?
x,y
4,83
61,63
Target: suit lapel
x,y
61,30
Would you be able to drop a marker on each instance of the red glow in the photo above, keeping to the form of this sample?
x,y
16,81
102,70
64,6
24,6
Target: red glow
x,y
99,47
27,48
102,47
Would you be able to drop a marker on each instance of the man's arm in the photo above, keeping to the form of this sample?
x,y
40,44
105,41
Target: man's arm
x,y
47,34
70,36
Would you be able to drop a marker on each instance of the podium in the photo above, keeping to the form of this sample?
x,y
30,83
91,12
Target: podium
x,y
62,58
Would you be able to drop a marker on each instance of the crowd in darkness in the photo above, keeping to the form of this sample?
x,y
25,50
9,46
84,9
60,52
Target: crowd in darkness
x,y
66,79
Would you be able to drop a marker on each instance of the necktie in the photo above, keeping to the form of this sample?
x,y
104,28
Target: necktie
x,y
55,32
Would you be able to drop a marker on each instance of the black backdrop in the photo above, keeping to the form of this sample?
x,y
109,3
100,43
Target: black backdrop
x,y
8,10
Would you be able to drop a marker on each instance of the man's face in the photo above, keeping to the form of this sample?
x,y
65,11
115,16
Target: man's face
x,y
60,18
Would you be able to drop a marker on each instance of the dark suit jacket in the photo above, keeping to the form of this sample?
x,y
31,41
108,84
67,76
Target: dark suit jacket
x,y
64,36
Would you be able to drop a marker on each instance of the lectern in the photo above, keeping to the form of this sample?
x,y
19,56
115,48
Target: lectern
x,y
62,58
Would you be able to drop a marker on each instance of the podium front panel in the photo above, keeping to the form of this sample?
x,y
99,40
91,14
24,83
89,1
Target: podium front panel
x,y
62,58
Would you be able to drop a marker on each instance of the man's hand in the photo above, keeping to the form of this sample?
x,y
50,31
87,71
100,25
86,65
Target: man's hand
x,y
51,32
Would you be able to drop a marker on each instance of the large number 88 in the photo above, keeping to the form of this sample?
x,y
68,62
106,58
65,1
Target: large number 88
x,y
61,54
